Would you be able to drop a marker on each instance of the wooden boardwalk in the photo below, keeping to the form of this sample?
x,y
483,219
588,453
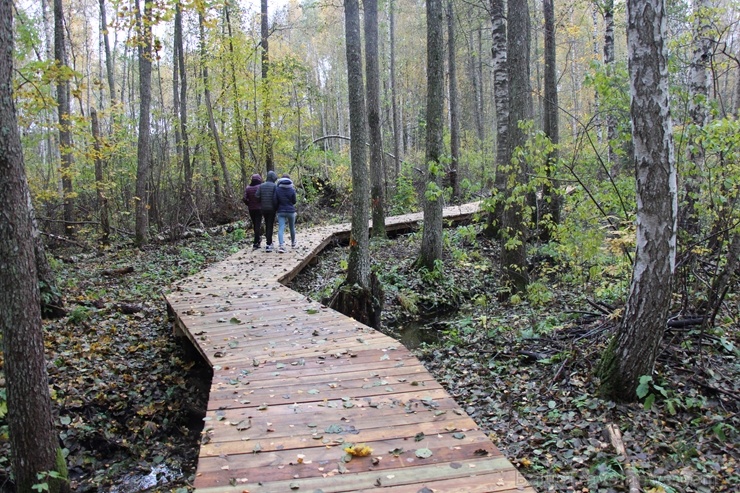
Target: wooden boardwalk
x,y
294,383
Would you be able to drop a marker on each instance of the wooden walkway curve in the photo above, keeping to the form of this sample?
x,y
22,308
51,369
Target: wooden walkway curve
x,y
294,383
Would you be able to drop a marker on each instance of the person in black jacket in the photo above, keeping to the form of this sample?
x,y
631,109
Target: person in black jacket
x,y
266,194
285,199
255,208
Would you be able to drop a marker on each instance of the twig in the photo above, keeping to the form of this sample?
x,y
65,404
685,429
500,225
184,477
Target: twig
x,y
615,437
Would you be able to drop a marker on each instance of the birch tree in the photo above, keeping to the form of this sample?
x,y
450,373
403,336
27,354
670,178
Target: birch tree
x,y
634,348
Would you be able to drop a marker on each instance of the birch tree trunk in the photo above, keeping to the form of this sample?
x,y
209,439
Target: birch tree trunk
x,y
501,104
634,348
33,441
431,239
698,113
377,190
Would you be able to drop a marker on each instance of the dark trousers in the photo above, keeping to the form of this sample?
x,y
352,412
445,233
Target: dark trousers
x,y
256,217
269,225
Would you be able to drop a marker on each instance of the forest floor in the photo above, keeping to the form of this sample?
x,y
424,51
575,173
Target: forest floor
x,y
130,398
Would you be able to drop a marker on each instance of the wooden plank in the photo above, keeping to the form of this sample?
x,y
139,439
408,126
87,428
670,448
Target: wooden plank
x,y
293,377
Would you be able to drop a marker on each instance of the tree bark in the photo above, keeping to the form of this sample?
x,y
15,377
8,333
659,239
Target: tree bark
x,y
452,175
633,350
377,190
611,121
431,239
63,108
501,103
143,168
514,228
33,441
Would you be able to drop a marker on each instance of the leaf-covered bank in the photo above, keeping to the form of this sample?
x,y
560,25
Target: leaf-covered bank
x,y
129,397
525,371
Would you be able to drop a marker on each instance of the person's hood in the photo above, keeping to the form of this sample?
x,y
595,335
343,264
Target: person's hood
x,y
285,182
256,179
271,176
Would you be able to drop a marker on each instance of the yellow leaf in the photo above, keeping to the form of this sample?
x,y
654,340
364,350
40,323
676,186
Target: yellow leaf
x,y
358,450
525,462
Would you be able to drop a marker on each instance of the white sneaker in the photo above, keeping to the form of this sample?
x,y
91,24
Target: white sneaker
x,y
281,249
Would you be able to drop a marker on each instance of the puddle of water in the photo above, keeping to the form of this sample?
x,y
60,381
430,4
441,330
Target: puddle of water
x,y
160,475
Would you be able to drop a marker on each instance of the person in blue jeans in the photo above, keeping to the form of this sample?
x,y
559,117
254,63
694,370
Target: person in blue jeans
x,y
285,199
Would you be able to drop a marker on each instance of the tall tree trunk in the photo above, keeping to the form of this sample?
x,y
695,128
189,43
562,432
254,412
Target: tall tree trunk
x,y
514,228
237,103
182,109
454,110
551,200
102,200
63,108
33,441
634,348
501,103
361,295
108,57
394,91
226,190
431,239
266,114
143,168
611,121
698,114
377,190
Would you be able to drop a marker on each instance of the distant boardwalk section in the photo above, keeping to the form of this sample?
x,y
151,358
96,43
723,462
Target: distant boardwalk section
x,y
306,399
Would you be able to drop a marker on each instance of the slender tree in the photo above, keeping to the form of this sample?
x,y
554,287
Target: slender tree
x,y
33,441
634,348
143,153
377,190
452,175
551,200
432,236
237,100
102,200
266,113
63,109
698,113
394,91
227,189
513,225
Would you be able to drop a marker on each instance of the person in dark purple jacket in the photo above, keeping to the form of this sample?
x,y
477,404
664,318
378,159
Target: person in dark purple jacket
x,y
255,208
285,199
